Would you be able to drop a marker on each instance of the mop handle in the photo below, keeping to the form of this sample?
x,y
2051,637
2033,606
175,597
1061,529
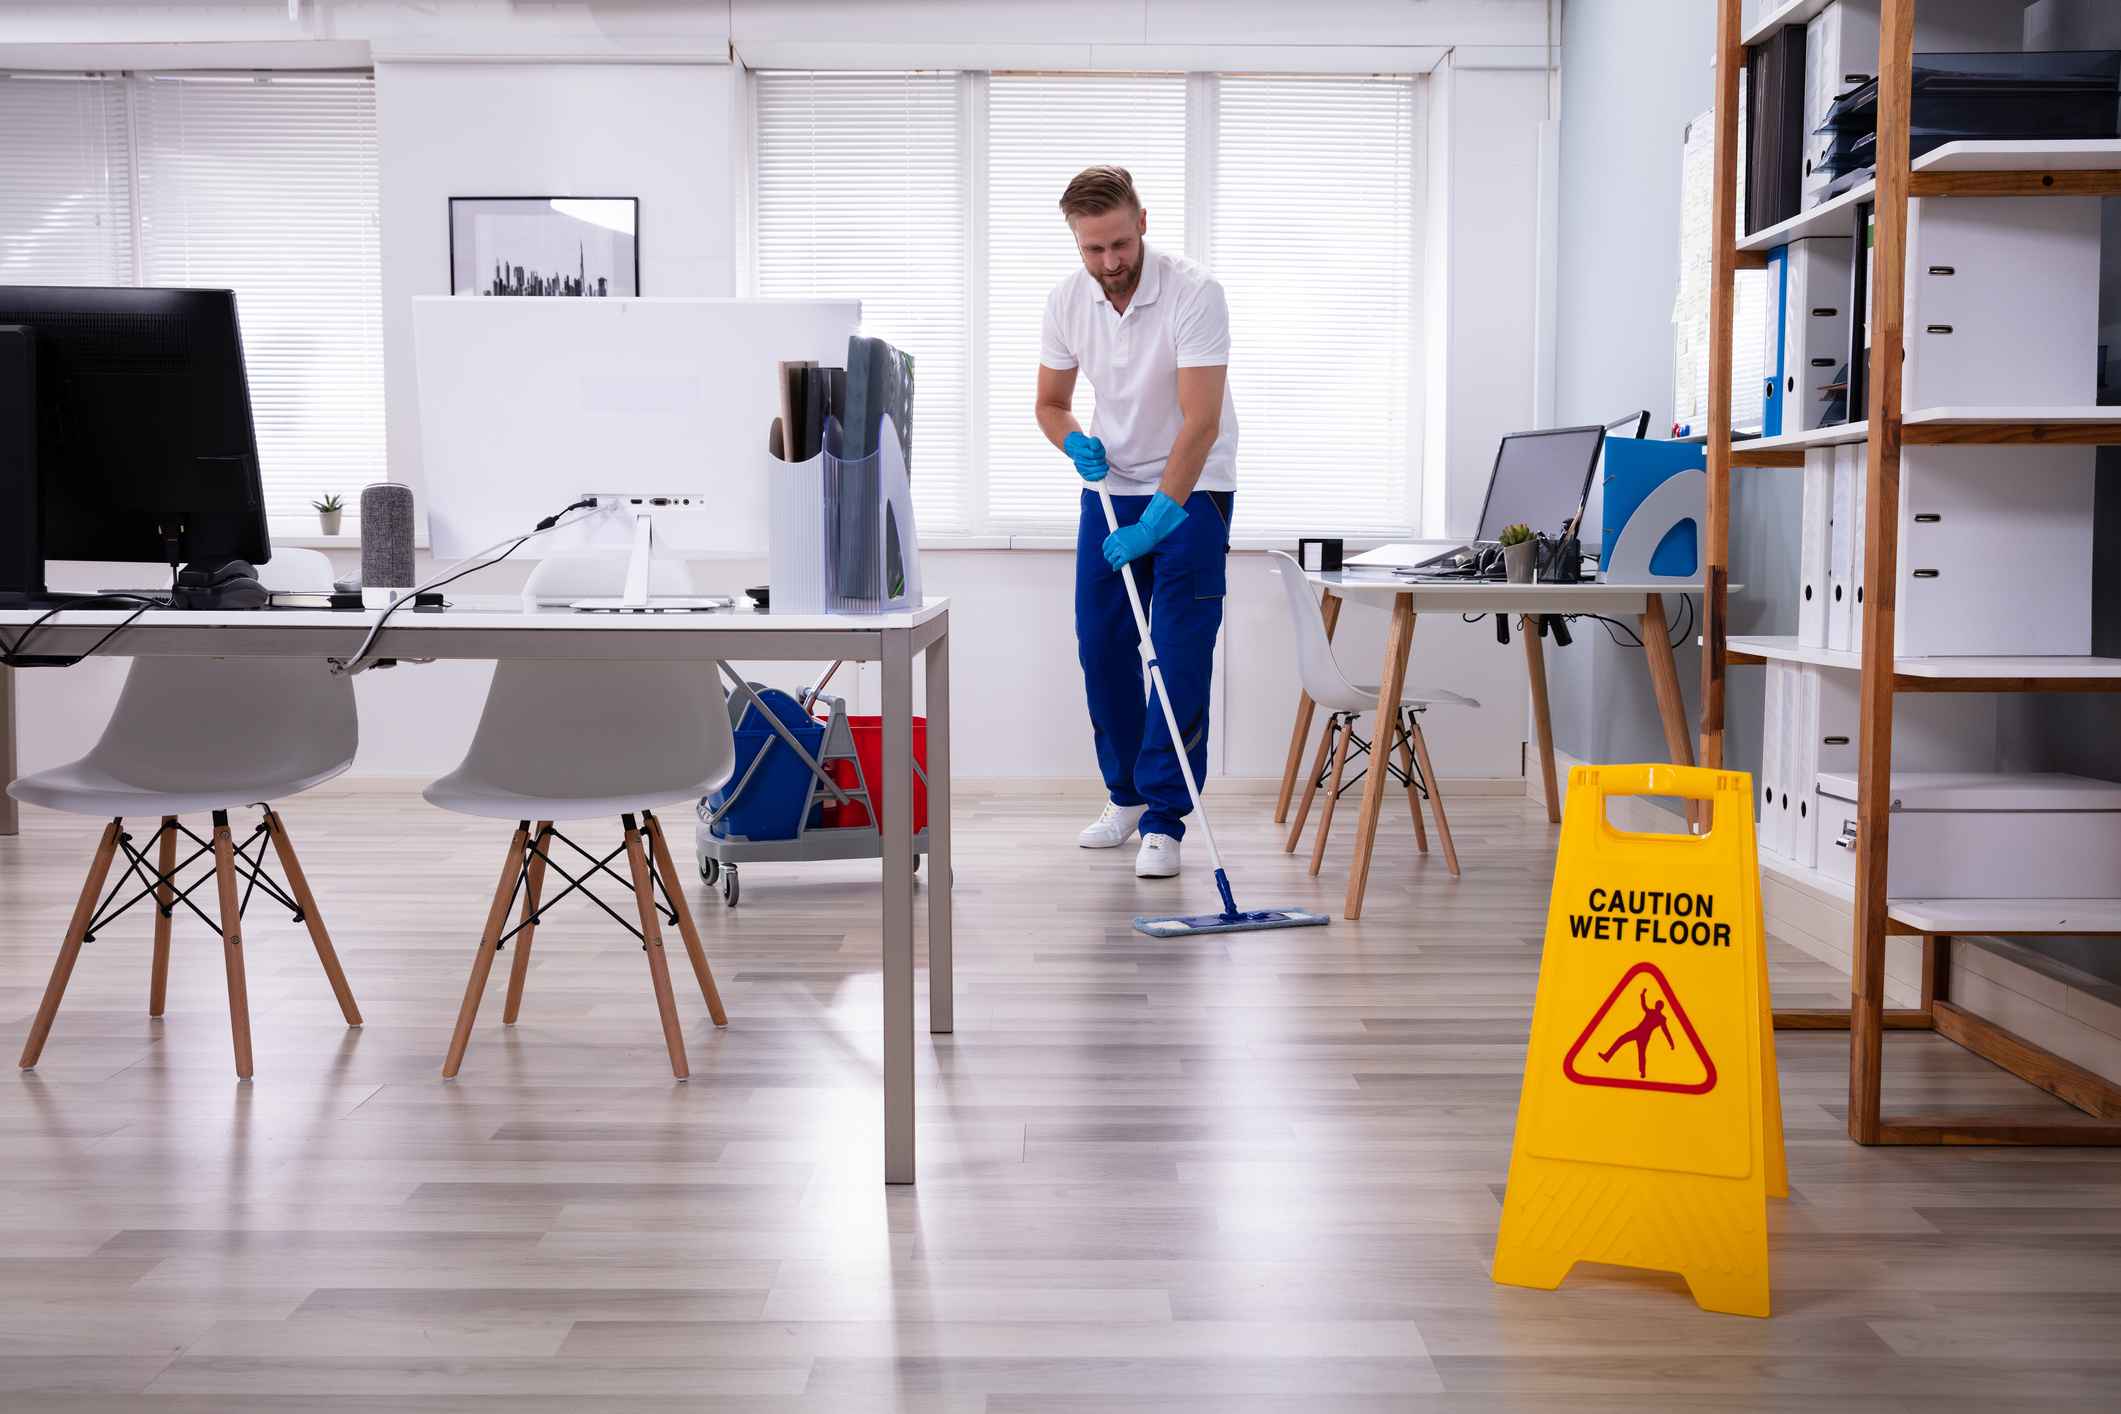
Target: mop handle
x,y
1156,678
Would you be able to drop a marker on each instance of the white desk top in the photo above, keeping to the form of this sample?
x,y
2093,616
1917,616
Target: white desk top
x,y
488,611
1490,597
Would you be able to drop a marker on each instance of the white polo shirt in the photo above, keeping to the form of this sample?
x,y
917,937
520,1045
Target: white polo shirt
x,y
1177,319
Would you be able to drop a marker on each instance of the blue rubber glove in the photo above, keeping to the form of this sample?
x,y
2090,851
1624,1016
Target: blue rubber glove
x,y
1131,542
1088,454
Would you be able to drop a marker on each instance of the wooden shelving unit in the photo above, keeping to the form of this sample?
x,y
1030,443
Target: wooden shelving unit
x,y
1961,169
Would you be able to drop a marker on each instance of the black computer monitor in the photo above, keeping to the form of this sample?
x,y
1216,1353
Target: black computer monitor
x,y
1540,480
144,447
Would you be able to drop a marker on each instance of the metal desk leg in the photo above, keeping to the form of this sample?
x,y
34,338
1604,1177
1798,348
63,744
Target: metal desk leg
x,y
1329,609
1397,646
1535,662
942,1009
1664,676
897,812
10,812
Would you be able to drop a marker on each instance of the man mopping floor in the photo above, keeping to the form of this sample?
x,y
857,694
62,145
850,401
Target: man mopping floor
x,y
1152,331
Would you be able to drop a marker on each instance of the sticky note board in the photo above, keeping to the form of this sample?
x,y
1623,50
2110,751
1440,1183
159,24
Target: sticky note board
x,y
1649,1129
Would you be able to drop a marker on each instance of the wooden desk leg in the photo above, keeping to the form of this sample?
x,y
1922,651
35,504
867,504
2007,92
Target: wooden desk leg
x,y
1329,609
942,983
1671,704
1397,646
895,814
1535,664
10,812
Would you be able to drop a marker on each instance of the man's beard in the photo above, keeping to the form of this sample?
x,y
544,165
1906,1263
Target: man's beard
x,y
1122,285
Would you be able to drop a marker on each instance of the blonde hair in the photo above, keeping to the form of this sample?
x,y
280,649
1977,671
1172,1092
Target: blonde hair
x,y
1097,190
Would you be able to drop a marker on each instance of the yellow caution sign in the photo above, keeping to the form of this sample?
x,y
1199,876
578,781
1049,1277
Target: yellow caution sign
x,y
1649,1133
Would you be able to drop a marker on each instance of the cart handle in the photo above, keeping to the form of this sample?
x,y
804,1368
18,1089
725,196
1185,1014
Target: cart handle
x,y
780,728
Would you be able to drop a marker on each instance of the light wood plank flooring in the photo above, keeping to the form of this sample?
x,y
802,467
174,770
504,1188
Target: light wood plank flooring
x,y
1245,1173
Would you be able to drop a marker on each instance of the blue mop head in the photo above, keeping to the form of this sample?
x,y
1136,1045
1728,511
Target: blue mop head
x,y
1230,920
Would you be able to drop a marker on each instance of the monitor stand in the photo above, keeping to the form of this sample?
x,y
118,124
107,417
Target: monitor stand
x,y
636,599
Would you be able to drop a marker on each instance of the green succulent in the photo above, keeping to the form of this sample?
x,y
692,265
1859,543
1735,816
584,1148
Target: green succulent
x,y
1517,535
328,505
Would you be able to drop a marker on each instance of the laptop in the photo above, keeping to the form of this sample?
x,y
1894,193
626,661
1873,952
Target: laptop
x,y
1540,479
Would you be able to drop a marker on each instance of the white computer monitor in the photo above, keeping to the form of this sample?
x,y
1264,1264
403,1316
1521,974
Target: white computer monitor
x,y
658,407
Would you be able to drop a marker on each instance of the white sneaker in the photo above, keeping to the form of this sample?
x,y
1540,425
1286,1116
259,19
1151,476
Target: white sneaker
x,y
1112,827
1158,858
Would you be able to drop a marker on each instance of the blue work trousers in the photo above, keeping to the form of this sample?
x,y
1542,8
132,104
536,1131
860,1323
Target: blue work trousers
x,y
1182,582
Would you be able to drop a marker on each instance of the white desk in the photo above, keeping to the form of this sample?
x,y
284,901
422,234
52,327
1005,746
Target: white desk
x,y
481,631
1407,598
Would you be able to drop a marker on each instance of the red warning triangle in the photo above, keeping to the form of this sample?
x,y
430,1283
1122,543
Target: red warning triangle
x,y
1629,1058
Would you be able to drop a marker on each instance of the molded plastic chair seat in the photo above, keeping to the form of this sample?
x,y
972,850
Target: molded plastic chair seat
x,y
582,740
193,734
1326,685
562,740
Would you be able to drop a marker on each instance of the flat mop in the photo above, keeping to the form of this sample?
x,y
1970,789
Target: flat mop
x,y
1231,919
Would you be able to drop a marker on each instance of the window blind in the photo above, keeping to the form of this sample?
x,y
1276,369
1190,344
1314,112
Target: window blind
x,y
267,185
860,192
1318,187
1042,129
65,204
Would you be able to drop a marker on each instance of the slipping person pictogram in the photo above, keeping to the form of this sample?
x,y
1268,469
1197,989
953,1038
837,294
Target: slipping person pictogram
x,y
1652,1022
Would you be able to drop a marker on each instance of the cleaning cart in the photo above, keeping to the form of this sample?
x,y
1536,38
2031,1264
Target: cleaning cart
x,y
807,776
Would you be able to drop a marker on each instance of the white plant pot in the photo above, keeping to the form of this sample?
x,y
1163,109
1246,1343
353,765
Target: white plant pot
x,y
329,521
1520,561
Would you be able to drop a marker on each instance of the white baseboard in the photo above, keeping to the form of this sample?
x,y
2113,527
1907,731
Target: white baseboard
x,y
1087,787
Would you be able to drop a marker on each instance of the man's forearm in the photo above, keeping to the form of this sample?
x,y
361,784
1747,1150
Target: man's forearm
x,y
1189,453
1057,423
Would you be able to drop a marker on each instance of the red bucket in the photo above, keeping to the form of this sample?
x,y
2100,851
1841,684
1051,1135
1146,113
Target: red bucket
x,y
869,747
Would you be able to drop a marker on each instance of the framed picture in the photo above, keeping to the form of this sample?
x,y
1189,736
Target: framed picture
x,y
545,245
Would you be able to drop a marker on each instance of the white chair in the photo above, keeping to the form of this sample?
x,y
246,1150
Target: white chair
x,y
564,580
1344,702
193,734
565,740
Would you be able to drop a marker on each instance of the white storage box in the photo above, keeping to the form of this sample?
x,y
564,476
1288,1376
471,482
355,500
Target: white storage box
x,y
1983,835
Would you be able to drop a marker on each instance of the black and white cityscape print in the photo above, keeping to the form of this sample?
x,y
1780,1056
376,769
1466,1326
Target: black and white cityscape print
x,y
569,247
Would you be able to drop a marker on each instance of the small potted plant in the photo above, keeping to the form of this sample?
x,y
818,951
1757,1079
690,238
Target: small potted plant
x,y
1520,557
328,512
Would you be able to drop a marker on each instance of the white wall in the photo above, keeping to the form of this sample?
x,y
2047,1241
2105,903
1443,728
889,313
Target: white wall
x,y
573,111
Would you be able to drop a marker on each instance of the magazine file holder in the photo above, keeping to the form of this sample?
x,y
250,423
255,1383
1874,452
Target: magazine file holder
x,y
872,553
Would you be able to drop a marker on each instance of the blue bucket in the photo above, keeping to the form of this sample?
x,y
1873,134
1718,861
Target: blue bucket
x,y
771,806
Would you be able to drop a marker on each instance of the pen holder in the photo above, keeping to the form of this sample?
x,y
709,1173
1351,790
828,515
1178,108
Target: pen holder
x,y
872,556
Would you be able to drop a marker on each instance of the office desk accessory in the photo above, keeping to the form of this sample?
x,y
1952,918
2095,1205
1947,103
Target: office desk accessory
x,y
1890,422
1527,603
1319,554
246,731
496,628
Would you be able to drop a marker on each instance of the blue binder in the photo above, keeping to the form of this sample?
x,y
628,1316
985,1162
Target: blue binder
x,y
1633,469
1774,357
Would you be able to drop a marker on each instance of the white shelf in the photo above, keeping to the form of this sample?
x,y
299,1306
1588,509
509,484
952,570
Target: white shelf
x,y
1849,432
1963,916
1830,218
2084,154
1787,650
1796,12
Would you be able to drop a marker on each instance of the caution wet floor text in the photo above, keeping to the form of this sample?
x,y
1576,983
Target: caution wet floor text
x,y
1649,1132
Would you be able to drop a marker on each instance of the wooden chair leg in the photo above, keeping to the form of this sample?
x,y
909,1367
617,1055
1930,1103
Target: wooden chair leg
x,y
165,902
482,961
1406,764
232,942
284,848
1318,770
1443,826
666,1001
1325,813
674,881
70,949
533,893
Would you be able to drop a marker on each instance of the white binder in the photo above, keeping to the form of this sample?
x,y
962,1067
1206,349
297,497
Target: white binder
x,y
1840,565
1835,708
1815,335
1840,53
1814,547
1799,839
1774,740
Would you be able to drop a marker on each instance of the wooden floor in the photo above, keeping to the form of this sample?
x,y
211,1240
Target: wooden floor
x,y
1244,1173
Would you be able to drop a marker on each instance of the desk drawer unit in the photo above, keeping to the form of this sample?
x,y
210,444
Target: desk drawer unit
x,y
1983,835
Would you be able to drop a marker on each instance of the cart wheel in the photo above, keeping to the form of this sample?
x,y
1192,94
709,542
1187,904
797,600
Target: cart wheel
x,y
710,870
729,885
916,864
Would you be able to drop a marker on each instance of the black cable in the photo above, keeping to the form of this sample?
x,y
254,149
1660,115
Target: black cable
x,y
354,664
13,656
